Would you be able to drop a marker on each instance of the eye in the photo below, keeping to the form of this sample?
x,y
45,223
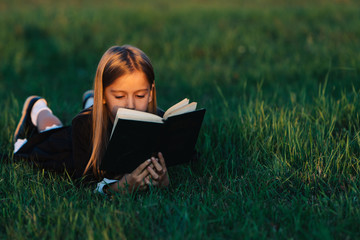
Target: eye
x,y
119,97
140,96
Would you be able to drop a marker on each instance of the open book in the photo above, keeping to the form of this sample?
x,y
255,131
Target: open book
x,y
136,136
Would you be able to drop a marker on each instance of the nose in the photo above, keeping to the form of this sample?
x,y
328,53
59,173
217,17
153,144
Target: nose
x,y
131,103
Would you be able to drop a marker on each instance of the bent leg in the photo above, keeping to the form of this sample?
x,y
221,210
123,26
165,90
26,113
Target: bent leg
x,y
36,117
42,117
47,119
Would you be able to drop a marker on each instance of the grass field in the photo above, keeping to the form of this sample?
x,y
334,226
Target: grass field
x,y
279,145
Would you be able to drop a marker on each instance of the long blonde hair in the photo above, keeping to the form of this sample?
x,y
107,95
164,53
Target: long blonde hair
x,y
116,62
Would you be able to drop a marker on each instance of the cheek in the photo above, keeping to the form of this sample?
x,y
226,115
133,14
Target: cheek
x,y
142,105
112,107
114,111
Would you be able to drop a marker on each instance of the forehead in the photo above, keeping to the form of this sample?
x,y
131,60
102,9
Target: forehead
x,y
130,82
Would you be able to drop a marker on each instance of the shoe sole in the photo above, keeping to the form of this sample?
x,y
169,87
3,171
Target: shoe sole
x,y
23,113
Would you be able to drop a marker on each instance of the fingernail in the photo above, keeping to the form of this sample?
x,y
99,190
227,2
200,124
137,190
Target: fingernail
x,y
148,160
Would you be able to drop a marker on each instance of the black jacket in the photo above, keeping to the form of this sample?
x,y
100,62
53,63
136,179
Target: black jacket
x,y
64,149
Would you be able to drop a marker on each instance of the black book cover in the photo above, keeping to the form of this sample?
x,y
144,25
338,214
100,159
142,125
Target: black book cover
x,y
133,142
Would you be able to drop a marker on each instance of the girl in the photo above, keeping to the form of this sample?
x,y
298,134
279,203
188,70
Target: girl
x,y
124,78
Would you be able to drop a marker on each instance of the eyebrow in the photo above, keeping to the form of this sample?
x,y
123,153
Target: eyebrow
x,y
116,91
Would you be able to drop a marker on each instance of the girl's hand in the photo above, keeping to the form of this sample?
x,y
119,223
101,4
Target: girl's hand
x,y
133,181
158,172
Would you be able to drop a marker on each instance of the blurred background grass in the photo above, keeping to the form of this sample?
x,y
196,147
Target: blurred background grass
x,y
280,141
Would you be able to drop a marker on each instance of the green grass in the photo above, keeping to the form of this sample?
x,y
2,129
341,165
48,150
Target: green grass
x,y
279,145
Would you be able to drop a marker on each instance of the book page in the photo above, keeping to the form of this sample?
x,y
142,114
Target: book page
x,y
128,114
185,109
180,104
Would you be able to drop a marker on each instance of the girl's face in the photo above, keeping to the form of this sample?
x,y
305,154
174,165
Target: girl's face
x,y
130,91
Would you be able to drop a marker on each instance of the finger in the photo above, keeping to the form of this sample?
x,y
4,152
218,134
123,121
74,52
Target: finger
x,y
153,174
143,174
162,161
154,182
147,180
150,181
157,165
141,167
142,185
151,165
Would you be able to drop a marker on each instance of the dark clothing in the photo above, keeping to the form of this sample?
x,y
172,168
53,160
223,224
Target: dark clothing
x,y
66,148
81,141
62,148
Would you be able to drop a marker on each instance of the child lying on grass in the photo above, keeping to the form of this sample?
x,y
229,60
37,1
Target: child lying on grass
x,y
124,78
